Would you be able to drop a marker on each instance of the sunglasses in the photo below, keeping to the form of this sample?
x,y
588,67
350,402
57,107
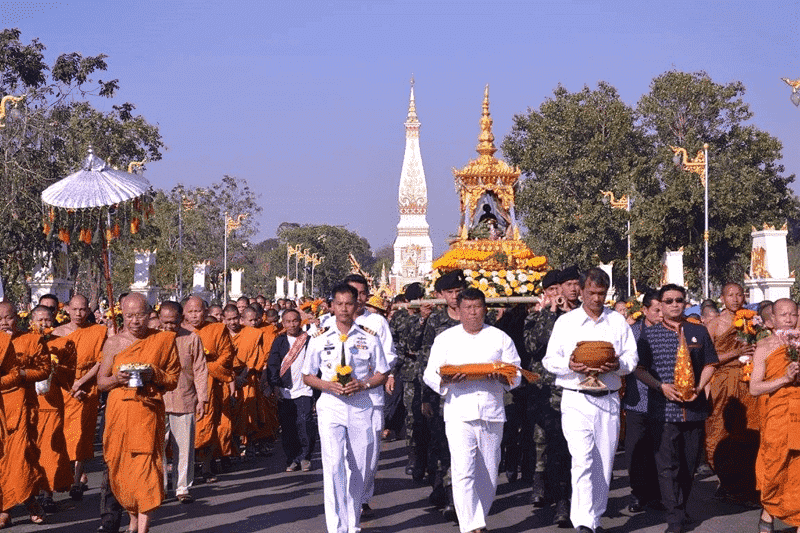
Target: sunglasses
x,y
669,301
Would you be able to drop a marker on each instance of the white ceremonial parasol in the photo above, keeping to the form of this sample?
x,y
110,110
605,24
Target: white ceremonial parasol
x,y
92,203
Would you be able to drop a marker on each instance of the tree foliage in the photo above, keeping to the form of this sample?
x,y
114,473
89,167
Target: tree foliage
x,y
578,143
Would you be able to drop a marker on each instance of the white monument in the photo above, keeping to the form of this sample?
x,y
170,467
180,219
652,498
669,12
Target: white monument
x,y
280,287
298,289
236,283
672,267
50,277
608,269
769,277
290,292
199,281
413,249
142,277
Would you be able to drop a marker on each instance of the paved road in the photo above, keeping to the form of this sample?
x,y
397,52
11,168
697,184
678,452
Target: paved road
x,y
258,496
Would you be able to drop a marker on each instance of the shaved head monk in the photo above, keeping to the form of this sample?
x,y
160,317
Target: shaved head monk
x,y
213,431
53,456
248,362
81,400
21,477
133,440
774,381
734,417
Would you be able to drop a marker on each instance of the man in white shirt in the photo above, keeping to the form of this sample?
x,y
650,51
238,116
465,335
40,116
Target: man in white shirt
x,y
473,410
379,326
344,412
590,419
283,375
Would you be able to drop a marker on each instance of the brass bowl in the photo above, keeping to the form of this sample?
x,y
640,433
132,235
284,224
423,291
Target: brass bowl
x,y
594,354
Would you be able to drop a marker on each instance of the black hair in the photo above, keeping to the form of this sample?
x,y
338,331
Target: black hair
x,y
597,276
649,296
670,287
344,288
175,306
356,278
471,294
295,311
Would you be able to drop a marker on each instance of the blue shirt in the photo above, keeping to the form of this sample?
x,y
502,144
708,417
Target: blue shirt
x,y
658,346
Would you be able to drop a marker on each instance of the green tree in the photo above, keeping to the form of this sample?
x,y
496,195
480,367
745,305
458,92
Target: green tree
x,y
571,148
45,138
746,183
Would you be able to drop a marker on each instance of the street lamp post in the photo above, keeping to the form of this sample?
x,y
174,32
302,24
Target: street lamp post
x,y
622,203
699,166
230,225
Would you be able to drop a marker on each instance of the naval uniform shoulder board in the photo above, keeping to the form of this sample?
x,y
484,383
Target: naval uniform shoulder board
x,y
320,331
365,328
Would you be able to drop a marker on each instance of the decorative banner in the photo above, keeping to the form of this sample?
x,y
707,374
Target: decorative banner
x,y
290,292
280,287
298,289
232,224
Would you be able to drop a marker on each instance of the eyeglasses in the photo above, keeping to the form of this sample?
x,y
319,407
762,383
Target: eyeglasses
x,y
669,301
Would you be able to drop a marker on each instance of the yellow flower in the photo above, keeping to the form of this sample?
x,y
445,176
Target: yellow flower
x,y
530,286
501,273
523,288
514,283
484,282
343,337
509,291
343,370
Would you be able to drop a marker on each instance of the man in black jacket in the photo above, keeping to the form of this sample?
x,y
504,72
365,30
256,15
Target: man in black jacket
x,y
283,375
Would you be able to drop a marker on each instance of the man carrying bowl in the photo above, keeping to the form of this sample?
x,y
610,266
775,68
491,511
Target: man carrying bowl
x,y
590,408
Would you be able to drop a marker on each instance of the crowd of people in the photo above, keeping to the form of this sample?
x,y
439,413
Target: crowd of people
x,y
188,386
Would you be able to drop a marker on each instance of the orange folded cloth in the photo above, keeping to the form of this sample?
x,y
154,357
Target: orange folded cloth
x,y
476,371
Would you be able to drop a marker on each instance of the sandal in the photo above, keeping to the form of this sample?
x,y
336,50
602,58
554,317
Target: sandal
x,y
5,519
185,498
764,526
36,512
76,492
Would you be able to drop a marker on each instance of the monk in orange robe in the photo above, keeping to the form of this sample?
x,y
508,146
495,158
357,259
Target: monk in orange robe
x,y
732,428
213,434
268,422
133,440
9,377
249,357
50,441
81,401
775,382
21,476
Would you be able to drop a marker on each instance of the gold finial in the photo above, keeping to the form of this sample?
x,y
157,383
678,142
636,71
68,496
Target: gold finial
x,y
794,84
135,165
412,106
8,99
486,138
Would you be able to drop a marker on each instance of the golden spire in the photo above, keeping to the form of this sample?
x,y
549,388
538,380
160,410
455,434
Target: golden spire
x,y
412,106
486,138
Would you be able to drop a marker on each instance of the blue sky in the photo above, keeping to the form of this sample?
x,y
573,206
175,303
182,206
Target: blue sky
x,y
306,100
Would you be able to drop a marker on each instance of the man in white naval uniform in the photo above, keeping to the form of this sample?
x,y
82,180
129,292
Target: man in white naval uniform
x,y
590,419
473,410
378,325
344,412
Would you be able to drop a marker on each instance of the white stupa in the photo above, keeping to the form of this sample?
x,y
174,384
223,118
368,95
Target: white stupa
x,y
413,249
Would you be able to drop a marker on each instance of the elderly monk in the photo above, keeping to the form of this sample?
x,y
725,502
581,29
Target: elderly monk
x,y
183,407
731,430
53,456
133,440
21,476
81,400
775,382
247,365
213,431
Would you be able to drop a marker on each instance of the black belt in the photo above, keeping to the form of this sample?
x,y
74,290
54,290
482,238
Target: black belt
x,y
593,392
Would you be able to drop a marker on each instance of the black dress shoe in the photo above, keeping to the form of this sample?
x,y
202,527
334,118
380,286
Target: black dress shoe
x,y
656,505
449,513
584,529
366,511
537,493
409,470
561,517
636,505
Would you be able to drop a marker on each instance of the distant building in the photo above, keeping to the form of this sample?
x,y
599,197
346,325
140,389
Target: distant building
x,y
413,249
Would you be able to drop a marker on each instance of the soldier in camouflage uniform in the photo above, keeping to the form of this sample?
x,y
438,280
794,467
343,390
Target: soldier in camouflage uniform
x,y
553,463
448,287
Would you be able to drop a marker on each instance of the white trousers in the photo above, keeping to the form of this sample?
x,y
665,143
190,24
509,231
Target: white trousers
x,y
591,427
346,439
474,460
180,432
372,471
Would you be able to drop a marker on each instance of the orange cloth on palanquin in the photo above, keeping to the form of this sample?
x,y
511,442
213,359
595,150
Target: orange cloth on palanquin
x,y
268,423
732,428
133,440
80,416
53,455
215,427
778,464
21,476
249,350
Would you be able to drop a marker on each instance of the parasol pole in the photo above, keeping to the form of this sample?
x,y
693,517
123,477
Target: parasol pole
x,y
107,272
